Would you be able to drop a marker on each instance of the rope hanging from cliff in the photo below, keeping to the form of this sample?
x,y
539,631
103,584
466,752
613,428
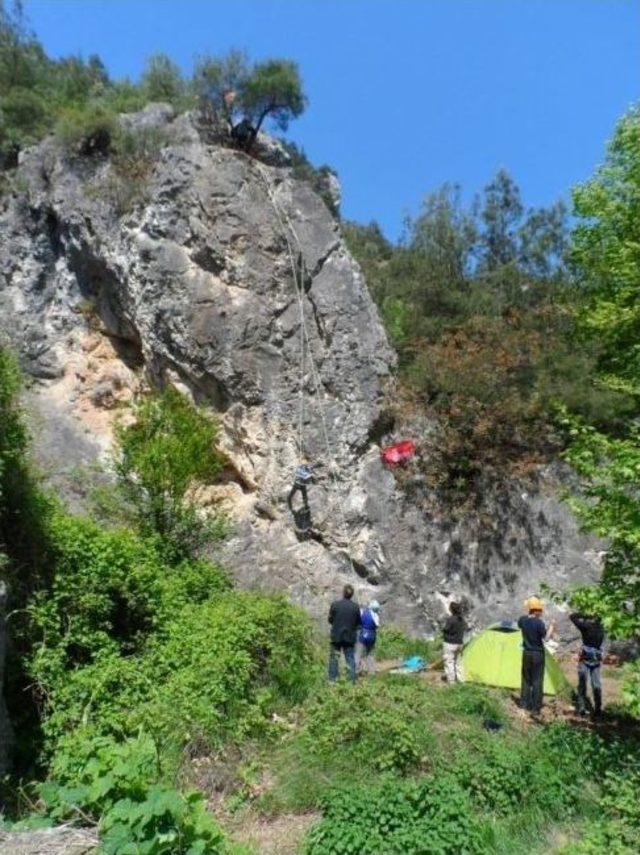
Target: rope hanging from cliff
x,y
300,296
288,230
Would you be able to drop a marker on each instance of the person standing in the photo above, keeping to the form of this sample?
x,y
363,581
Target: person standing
x,y
590,660
369,623
344,617
452,640
534,634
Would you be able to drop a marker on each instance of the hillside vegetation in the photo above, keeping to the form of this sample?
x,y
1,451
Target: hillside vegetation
x,y
154,700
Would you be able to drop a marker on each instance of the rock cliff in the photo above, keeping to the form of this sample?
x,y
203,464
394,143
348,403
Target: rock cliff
x,y
210,278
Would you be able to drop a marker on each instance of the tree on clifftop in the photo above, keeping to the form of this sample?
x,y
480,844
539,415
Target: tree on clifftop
x,y
273,90
230,89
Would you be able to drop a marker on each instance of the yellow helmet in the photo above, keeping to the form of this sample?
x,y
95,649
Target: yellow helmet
x,y
533,604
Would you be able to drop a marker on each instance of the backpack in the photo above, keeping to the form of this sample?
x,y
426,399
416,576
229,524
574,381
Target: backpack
x,y
368,629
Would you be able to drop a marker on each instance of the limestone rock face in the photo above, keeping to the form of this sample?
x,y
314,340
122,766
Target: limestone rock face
x,y
229,279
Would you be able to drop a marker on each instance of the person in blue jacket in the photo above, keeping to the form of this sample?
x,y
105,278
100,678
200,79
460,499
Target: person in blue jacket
x,y
369,624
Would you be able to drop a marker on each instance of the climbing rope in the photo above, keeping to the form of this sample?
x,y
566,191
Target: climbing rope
x,y
289,231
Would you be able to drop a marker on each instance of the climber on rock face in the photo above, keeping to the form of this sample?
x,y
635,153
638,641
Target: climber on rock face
x,y
301,482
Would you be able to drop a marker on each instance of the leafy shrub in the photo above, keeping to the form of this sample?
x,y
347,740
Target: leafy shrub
x,y
87,129
168,648
111,592
476,701
24,552
368,722
168,449
161,79
617,830
25,112
605,835
224,666
504,780
134,156
431,816
112,784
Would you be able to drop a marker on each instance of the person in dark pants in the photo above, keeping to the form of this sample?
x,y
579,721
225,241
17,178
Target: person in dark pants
x,y
534,632
301,481
244,134
590,660
344,617
452,641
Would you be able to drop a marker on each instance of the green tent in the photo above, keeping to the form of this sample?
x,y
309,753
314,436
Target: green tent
x,y
494,657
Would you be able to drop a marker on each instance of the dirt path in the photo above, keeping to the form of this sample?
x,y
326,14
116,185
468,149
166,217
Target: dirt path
x,y
278,835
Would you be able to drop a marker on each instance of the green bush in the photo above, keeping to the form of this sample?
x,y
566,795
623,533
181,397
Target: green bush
x,y
427,817
225,666
25,112
167,450
367,722
111,593
127,640
87,129
503,780
112,783
162,80
346,733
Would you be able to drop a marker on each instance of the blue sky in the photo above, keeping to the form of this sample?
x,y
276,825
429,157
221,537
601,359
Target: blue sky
x,y
404,94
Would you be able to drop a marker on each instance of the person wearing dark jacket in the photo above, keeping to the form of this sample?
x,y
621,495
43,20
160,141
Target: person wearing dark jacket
x,y
344,617
534,634
589,660
452,639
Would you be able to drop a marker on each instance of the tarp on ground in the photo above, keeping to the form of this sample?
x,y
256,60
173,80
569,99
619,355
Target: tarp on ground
x,y
494,657
399,453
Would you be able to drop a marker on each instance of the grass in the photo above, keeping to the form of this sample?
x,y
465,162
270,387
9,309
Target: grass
x,y
532,789
393,643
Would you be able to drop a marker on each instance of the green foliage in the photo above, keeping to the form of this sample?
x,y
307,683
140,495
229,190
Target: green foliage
x,y
163,454
36,91
273,90
479,304
162,80
134,156
155,644
387,740
111,783
484,792
224,667
617,828
430,816
87,129
215,78
610,507
229,88
24,547
396,725
605,255
393,643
